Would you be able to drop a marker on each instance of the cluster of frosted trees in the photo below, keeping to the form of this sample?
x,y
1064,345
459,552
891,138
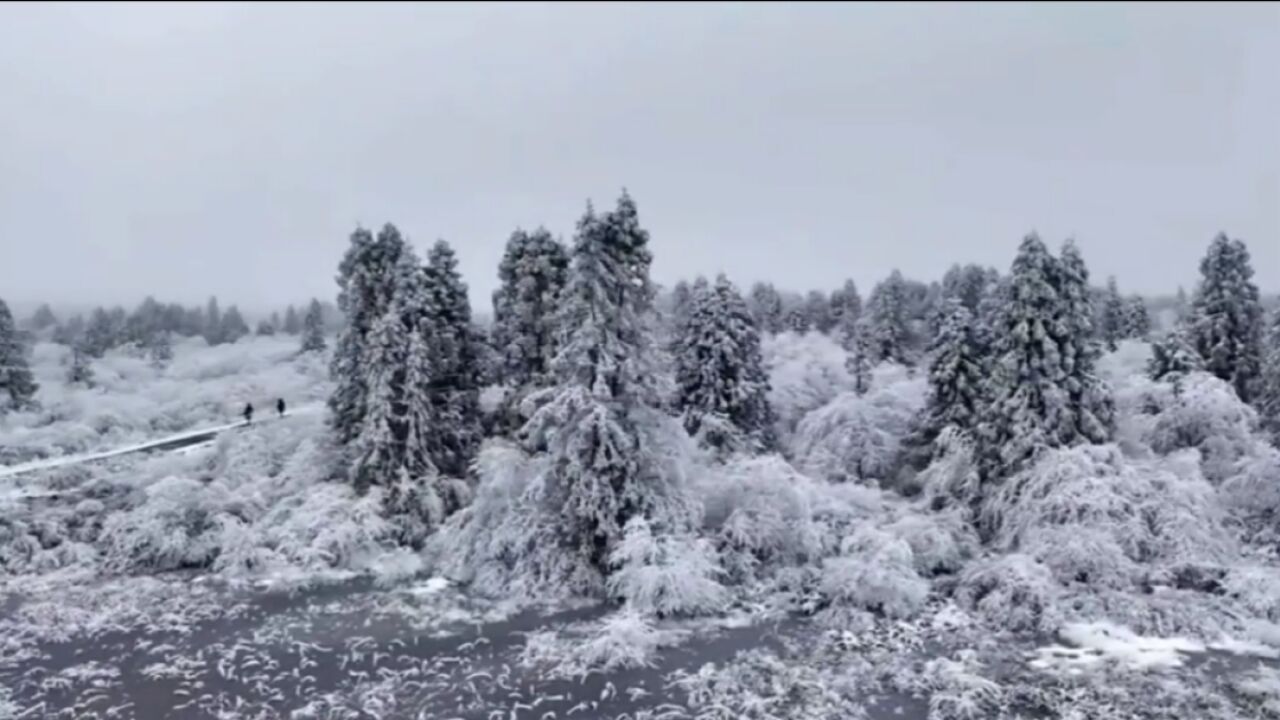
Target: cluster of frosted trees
x,y
1010,362
152,325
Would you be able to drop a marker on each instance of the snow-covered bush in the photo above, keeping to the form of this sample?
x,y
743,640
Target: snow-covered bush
x,y
1207,415
952,479
1092,516
857,438
174,527
940,542
806,371
624,639
957,690
875,571
759,685
758,512
667,573
1013,591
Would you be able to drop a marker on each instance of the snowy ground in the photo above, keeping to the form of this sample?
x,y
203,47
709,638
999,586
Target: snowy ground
x,y
233,579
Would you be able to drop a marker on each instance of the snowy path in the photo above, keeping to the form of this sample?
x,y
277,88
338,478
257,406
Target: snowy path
x,y
171,442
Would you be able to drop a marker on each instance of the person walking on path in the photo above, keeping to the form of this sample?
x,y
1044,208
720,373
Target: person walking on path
x,y
248,413
280,406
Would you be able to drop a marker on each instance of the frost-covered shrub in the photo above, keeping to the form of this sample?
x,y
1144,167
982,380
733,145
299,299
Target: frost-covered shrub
x,y
957,690
857,438
667,573
1013,591
875,571
1254,488
1261,687
757,510
1092,516
174,527
951,479
624,639
806,371
940,542
1207,415
1256,588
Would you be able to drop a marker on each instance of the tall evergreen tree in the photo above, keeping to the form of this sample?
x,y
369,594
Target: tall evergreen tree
x,y
1092,407
1173,357
99,336
846,309
1268,396
957,379
967,284
265,328
1226,323
681,304
1137,320
313,329
766,308
160,349
366,279
455,343
17,385
292,322
70,332
80,371
233,326
818,307
1030,404
533,274
861,359
889,320
213,326
599,472
797,320
1113,322
720,377
43,318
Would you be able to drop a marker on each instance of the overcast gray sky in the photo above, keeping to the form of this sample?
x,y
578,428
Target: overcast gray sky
x,y
192,150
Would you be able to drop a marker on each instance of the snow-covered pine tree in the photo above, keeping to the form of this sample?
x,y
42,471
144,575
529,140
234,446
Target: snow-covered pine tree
x,y
957,379
797,320
366,280
1137,320
213,322
1113,321
193,322
1030,406
600,471
43,318
987,316
1268,396
1092,407
313,328
889,322
1173,357
99,337
682,298
70,332
722,387
967,283
80,372
766,308
861,357
846,308
1226,316
233,325
292,321
160,349
17,385
455,344
818,307
265,328
1181,306
533,273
